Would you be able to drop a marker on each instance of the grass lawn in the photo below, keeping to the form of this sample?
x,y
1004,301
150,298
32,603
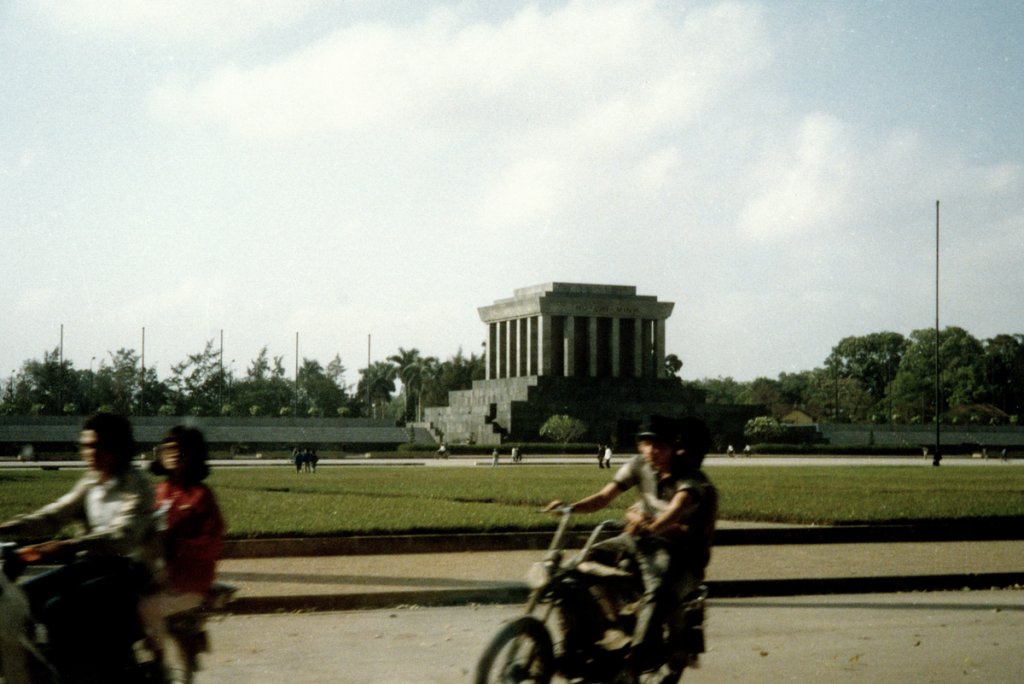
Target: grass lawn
x,y
276,501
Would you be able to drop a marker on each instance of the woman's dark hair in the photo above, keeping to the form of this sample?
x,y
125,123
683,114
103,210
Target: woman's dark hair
x,y
194,453
113,435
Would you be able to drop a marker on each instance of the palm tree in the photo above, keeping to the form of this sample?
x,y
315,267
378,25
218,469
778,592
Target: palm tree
x,y
378,383
413,368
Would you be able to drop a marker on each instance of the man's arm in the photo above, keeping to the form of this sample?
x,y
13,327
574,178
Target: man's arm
x,y
594,502
51,518
669,520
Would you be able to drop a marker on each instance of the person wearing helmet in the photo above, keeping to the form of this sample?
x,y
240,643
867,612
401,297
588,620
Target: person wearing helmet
x,y
669,529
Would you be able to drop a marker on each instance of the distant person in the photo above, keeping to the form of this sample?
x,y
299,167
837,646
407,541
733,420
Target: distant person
x,y
730,452
297,457
515,454
606,458
192,534
746,450
442,451
1004,454
494,458
313,460
600,455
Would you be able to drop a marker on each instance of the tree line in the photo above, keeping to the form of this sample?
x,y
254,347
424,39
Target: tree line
x,y
882,377
888,378
200,385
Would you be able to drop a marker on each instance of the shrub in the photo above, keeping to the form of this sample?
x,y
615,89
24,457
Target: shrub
x,y
563,429
763,429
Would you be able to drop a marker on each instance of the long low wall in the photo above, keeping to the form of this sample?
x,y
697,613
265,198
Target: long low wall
x,y
55,432
991,437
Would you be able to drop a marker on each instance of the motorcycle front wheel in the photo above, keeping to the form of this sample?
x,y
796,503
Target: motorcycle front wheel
x,y
520,652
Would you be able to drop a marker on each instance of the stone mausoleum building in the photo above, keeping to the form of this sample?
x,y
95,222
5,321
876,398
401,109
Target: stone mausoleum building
x,y
595,352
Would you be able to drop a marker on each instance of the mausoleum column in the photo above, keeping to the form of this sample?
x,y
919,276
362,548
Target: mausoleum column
x,y
492,329
528,363
638,348
615,349
545,352
510,348
648,347
569,346
592,343
659,348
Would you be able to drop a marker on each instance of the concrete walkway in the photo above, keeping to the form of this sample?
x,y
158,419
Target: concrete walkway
x,y
343,582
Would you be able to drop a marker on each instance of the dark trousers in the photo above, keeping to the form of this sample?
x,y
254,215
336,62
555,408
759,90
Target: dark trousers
x,y
89,608
663,572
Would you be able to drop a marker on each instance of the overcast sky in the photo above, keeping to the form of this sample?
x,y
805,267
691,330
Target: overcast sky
x,y
376,167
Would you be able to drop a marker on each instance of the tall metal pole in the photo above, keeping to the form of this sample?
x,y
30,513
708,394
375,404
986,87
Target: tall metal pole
x,y
92,386
60,374
142,384
369,400
938,387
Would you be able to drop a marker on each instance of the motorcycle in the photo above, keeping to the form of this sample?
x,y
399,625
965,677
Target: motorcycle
x,y
27,656
579,622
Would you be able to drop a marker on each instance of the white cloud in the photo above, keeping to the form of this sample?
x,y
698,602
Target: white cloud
x,y
804,185
593,71
180,21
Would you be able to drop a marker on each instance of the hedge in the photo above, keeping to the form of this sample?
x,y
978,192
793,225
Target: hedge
x,y
535,448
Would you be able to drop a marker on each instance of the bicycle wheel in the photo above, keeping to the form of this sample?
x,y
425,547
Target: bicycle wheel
x,y
520,652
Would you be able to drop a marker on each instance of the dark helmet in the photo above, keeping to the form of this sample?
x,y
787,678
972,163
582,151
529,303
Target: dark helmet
x,y
658,429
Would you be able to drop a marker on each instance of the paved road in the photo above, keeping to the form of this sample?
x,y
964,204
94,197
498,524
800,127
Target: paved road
x,y
916,637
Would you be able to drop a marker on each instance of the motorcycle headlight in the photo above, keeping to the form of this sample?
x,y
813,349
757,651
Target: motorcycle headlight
x,y
538,575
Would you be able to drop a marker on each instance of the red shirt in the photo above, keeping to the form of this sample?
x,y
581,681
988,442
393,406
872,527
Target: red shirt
x,y
194,536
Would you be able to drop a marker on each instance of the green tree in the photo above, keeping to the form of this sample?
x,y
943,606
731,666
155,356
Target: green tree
x,y
563,429
763,392
117,382
961,373
763,429
673,365
198,383
414,370
319,394
457,373
872,360
264,390
797,390
1004,372
48,387
376,386
721,390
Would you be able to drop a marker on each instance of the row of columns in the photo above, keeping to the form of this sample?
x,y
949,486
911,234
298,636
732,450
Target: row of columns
x,y
576,346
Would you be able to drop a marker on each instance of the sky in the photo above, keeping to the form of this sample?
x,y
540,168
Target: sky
x,y
365,174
